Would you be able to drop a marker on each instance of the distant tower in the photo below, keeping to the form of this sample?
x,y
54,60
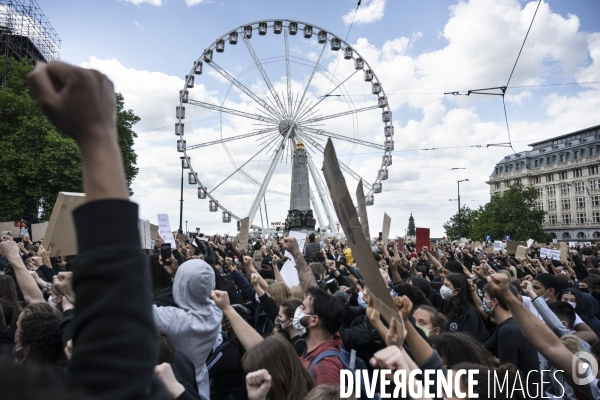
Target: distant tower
x,y
300,199
411,226
300,216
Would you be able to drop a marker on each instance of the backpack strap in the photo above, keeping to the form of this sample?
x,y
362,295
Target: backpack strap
x,y
326,353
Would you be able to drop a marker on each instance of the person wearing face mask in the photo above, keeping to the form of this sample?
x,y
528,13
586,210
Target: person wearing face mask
x,y
431,321
459,307
284,324
508,343
584,305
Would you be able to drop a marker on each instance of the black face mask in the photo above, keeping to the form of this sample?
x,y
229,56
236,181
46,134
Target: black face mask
x,y
584,290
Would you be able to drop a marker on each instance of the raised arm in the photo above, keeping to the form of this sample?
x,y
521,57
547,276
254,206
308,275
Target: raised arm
x,y
245,333
305,274
30,289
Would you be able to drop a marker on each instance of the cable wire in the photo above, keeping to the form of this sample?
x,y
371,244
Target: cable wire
x,y
524,40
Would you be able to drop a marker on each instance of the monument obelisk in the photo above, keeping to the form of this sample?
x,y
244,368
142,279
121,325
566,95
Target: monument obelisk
x,y
300,216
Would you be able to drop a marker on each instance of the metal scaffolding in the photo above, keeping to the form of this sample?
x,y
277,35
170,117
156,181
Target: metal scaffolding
x,y
26,32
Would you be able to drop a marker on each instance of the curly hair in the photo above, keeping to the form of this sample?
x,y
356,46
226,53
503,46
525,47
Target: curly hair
x,y
40,332
456,348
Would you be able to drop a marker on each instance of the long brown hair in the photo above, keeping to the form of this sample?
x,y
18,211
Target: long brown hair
x,y
8,292
279,292
289,379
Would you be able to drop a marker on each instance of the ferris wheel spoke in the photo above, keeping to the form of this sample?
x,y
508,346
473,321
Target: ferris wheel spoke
x,y
342,137
343,166
268,176
274,113
229,139
349,112
323,193
265,76
287,71
327,95
231,111
309,80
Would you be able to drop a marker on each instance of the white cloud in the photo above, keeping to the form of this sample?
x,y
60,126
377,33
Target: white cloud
x,y
370,11
195,2
138,2
139,26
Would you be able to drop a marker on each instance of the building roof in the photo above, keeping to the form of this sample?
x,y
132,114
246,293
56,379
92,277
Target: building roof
x,y
564,136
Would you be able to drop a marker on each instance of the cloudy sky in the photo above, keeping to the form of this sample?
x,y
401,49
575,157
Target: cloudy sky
x,y
418,50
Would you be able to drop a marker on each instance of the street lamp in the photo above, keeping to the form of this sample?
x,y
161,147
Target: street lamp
x,y
459,222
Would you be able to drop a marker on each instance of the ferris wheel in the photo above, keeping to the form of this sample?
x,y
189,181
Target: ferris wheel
x,y
250,106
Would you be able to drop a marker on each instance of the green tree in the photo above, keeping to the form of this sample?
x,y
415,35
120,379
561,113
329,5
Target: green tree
x,y
467,216
513,213
37,161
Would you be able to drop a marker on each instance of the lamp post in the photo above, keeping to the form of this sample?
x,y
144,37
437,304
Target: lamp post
x,y
184,164
459,222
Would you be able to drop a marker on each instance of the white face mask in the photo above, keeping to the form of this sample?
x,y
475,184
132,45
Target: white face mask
x,y
361,300
572,304
446,292
297,322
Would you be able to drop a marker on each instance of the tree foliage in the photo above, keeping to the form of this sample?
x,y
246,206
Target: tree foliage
x,y
467,216
37,161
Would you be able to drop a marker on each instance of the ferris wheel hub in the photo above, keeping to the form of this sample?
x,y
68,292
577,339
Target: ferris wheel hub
x,y
284,127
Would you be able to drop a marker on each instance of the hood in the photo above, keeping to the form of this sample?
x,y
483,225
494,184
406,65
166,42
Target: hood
x,y
578,298
193,283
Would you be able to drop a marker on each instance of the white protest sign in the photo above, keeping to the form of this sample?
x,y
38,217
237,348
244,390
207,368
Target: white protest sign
x,y
289,271
530,242
164,230
572,244
38,231
144,227
550,253
497,245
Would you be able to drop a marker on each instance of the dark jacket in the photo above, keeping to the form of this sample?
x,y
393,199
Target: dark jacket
x,y
311,249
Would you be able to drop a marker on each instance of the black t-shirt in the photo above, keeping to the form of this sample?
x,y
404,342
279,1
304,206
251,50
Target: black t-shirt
x,y
299,344
510,346
470,323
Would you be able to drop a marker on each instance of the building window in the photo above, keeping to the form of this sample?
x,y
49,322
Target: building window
x,y
552,220
566,204
551,190
595,184
592,151
579,187
593,170
540,205
551,204
596,217
563,175
577,172
576,154
566,218
497,185
536,179
566,235
596,201
596,235
548,160
549,177
580,235
536,163
564,188
563,157
580,202
581,218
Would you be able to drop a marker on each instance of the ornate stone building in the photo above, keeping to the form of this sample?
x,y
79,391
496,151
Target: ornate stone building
x,y
565,172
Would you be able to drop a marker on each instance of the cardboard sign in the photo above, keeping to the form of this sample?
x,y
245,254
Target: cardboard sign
x,y
244,229
7,227
511,246
422,238
289,273
360,246
432,246
258,257
497,245
60,234
145,237
385,232
521,252
564,250
362,209
38,231
153,232
550,253
477,244
400,245
530,242
164,230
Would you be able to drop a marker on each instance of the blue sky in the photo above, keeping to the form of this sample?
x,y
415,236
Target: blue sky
x,y
418,49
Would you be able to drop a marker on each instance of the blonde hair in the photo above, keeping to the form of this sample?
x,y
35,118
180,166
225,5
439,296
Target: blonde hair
x,y
279,292
297,292
571,342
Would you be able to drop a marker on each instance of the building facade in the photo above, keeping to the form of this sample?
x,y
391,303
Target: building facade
x,y
565,172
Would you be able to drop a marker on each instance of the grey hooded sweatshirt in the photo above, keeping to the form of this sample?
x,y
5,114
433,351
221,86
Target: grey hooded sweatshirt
x,y
193,326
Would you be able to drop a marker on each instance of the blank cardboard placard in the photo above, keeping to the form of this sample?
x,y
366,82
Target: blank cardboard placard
x,y
289,272
362,209
564,250
145,237
360,246
385,230
521,252
511,246
38,231
7,226
422,238
60,236
244,230
153,232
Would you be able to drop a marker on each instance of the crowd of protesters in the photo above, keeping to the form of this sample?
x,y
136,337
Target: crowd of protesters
x,y
208,322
